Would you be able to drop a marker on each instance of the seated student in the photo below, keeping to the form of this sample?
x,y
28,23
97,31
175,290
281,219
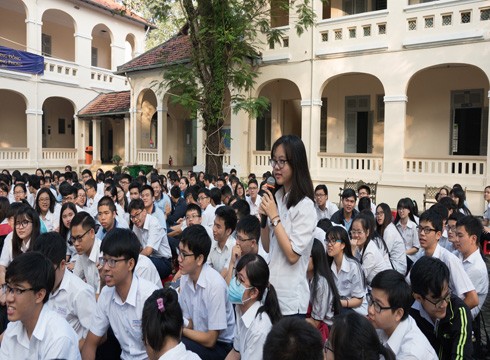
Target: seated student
x,y
353,338
71,297
241,207
253,198
442,316
389,305
430,229
324,207
221,248
121,301
293,339
347,213
364,191
451,227
210,322
257,307
152,236
179,206
108,218
204,201
147,195
468,233
162,324
92,197
34,331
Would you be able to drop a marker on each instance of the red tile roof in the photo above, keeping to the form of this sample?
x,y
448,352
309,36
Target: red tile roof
x,y
175,50
120,9
114,103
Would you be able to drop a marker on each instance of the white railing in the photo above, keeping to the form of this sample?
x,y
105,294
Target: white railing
x,y
351,162
147,157
59,154
106,79
261,158
442,22
14,155
60,70
455,165
353,33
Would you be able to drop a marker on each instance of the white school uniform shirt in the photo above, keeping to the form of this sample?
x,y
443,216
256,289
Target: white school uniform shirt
x,y
207,217
330,209
219,258
179,353
410,237
408,342
288,279
7,251
86,267
322,305
251,330
207,303
145,269
475,267
153,234
52,219
459,282
100,188
123,317
74,300
254,206
350,282
52,338
396,248
91,207
372,261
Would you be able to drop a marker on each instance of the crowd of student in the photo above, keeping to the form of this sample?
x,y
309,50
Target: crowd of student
x,y
190,266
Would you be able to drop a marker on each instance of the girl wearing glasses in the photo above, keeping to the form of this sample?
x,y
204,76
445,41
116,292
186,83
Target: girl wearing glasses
x,y
324,296
346,270
407,227
26,229
288,233
366,250
257,307
20,192
48,209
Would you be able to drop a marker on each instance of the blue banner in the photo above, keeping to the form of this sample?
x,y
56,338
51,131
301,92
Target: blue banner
x,y
16,60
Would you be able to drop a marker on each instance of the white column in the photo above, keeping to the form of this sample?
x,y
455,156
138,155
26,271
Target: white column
x,y
127,139
162,133
394,146
201,153
33,36
34,135
83,57
310,131
133,133
96,133
117,55
240,151
77,139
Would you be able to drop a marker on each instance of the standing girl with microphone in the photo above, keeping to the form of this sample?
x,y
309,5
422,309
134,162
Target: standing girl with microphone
x,y
288,234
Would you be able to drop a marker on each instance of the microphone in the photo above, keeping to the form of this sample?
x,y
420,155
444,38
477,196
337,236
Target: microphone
x,y
271,186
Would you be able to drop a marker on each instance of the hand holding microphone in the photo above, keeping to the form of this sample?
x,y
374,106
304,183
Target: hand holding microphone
x,y
271,186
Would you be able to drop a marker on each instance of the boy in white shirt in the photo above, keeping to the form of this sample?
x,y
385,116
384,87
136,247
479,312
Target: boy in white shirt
x,y
224,225
34,330
71,298
389,305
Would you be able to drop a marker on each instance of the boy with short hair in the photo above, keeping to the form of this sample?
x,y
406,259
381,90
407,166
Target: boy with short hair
x,y
324,207
443,317
224,225
346,215
203,297
121,301
34,330
253,199
389,305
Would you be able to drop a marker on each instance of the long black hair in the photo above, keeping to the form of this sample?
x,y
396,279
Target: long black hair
x,y
302,186
405,203
258,274
29,214
63,229
52,200
459,194
388,218
321,268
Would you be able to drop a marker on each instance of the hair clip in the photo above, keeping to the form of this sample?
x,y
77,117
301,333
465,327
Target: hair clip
x,y
160,305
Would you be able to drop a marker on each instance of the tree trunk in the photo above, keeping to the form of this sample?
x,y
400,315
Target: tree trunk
x,y
214,154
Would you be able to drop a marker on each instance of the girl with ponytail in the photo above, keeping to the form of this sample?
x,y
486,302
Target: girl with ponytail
x,y
161,326
257,307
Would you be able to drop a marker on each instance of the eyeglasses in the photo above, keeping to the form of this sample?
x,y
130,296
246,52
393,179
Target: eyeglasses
x,y
333,241
75,239
440,303
135,216
425,230
379,213
451,228
111,262
320,195
183,255
43,200
22,224
124,182
190,217
239,238
356,233
279,163
6,288
201,198
253,188
377,307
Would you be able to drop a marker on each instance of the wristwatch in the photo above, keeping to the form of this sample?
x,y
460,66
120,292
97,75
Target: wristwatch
x,y
276,221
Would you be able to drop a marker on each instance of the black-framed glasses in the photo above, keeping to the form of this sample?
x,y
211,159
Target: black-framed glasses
x,y
74,239
22,224
183,255
201,198
279,163
111,262
333,241
377,307
451,228
426,230
239,238
135,216
7,289
440,303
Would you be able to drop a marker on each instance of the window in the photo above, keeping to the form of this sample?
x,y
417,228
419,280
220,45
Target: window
x,y
351,7
323,126
46,45
94,56
326,10
61,126
263,131
279,13
380,107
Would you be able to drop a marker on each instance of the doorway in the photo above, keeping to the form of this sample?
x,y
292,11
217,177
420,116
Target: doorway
x,y
358,125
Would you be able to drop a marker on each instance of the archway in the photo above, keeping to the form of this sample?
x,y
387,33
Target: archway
x,y
57,36
58,126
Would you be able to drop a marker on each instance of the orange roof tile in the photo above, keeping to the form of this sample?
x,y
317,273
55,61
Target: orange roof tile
x,y
120,9
115,103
